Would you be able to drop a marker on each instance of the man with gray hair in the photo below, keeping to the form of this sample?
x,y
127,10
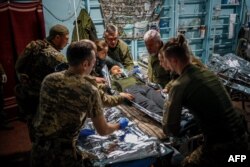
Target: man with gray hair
x,y
118,53
156,73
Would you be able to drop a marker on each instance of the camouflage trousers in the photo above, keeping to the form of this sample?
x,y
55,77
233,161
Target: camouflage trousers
x,y
27,105
216,155
49,154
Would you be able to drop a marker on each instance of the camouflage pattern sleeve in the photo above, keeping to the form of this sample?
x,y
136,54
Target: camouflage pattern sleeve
x,y
38,53
22,61
109,100
66,100
38,60
96,104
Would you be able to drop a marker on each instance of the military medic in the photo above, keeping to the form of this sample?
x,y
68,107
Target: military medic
x,y
38,59
194,60
200,91
156,73
118,52
67,98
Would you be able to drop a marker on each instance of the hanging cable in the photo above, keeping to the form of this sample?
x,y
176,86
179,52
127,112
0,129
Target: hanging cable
x,y
76,23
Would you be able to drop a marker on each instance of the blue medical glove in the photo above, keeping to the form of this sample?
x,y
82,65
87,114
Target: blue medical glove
x,y
123,122
86,132
136,70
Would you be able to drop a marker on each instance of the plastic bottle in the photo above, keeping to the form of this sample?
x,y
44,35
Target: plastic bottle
x,y
202,31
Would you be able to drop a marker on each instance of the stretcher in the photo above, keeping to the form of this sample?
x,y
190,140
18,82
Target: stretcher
x,y
127,145
234,73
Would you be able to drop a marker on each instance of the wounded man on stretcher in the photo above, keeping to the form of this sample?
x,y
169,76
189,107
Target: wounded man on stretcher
x,y
148,97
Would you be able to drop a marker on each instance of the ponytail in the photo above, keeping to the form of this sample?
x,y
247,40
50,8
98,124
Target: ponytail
x,y
181,40
178,48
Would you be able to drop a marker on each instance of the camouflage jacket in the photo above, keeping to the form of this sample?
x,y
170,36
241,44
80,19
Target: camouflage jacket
x,y
66,100
107,100
37,60
121,53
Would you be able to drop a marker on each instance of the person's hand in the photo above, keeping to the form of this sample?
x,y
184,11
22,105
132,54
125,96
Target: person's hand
x,y
4,78
127,95
165,90
86,132
123,122
100,80
116,70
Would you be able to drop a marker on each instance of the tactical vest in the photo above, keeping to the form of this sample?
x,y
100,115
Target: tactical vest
x,y
122,83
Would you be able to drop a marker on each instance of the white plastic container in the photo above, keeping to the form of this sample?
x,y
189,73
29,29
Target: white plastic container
x,y
202,31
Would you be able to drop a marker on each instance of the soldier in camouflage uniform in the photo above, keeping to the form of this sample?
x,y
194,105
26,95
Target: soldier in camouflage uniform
x,y
156,73
118,53
200,91
67,98
38,59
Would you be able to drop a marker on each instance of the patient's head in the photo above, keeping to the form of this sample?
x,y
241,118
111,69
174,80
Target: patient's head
x,y
116,70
